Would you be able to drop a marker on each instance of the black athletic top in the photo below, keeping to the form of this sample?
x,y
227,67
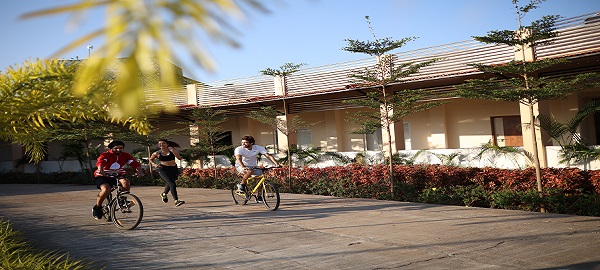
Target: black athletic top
x,y
168,157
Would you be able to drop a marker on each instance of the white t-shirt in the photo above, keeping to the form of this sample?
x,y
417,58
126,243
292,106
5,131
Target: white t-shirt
x,y
250,157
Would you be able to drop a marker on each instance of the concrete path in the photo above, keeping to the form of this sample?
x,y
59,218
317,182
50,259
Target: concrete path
x,y
307,232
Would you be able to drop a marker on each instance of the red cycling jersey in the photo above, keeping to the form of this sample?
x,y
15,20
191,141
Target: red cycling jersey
x,y
113,163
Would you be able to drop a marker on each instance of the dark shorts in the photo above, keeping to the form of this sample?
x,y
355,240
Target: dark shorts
x,y
112,181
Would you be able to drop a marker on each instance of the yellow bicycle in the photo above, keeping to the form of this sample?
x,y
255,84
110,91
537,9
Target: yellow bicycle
x,y
262,190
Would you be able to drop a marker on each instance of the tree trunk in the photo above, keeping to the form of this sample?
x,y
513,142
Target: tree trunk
x,y
536,157
149,163
289,174
390,161
89,158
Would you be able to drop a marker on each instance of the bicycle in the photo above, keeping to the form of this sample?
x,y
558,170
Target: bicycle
x,y
124,209
268,191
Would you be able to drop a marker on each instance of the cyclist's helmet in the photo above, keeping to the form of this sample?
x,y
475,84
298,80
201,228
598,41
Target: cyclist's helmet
x,y
249,139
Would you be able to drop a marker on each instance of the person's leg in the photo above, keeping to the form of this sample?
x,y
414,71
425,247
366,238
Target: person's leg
x,y
105,189
162,171
245,174
102,183
169,174
258,171
125,184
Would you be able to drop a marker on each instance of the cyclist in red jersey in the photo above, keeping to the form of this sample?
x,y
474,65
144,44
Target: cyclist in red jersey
x,y
112,162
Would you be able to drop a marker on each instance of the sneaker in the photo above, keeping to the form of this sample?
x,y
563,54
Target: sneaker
x,y
164,197
259,199
97,212
130,204
241,187
179,202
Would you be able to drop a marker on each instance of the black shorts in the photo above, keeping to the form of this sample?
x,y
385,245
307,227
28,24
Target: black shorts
x,y
112,181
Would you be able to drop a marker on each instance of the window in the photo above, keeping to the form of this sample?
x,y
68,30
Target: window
x,y
507,131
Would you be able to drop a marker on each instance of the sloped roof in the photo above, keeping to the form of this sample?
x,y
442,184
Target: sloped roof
x,y
578,36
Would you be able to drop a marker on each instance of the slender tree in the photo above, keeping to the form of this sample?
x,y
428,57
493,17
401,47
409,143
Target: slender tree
x,y
518,80
208,125
268,116
384,108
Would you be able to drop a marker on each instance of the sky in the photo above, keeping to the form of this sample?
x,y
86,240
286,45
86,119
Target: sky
x,y
312,32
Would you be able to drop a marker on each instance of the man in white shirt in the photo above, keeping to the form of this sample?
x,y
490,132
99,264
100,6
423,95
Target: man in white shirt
x,y
246,160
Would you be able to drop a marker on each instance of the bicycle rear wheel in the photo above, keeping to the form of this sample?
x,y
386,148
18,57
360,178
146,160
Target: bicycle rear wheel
x,y
239,198
127,211
270,196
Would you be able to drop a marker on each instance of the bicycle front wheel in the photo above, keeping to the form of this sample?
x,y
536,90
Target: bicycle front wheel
x,y
127,211
270,196
239,198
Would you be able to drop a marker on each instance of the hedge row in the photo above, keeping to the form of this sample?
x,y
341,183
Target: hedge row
x,y
566,190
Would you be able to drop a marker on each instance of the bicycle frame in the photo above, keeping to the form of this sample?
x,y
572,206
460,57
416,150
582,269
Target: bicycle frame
x,y
259,184
268,192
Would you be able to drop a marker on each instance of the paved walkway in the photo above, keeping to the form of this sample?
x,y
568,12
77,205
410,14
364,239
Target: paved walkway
x,y
307,232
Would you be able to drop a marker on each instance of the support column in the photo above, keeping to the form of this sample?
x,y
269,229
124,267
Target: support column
x,y
279,87
192,94
527,53
439,131
540,107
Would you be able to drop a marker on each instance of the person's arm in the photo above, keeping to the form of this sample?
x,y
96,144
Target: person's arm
x,y
272,159
152,158
176,153
100,165
136,165
238,160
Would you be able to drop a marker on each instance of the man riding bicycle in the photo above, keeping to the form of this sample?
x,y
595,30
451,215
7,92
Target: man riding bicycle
x,y
246,156
111,163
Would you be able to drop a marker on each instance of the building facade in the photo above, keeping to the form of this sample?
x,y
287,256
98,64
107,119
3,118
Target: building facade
x,y
460,126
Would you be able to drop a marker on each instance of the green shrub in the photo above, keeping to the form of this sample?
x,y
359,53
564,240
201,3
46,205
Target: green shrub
x,y
15,253
566,190
516,200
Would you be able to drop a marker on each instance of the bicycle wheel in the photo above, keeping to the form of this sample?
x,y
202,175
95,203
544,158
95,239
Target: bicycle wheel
x,y
238,196
127,211
106,209
106,212
270,196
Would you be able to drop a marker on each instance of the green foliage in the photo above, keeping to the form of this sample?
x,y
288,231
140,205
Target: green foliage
x,y
197,178
449,159
573,147
207,123
569,190
147,37
16,253
284,70
382,109
528,200
406,158
304,155
41,107
509,152
517,80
